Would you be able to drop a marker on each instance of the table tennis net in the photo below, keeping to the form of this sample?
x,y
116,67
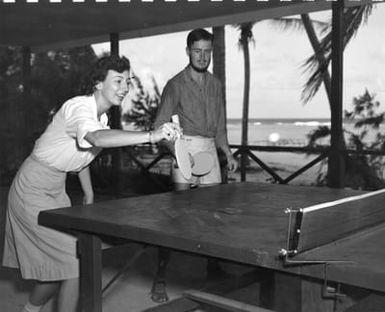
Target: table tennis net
x,y
324,223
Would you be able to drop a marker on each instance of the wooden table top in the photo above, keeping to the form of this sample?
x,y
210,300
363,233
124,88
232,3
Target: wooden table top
x,y
243,222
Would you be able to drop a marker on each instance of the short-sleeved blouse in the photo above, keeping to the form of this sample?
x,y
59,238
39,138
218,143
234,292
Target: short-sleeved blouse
x,y
62,145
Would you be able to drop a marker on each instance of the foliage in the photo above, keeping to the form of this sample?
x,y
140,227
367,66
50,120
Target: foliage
x,y
246,33
144,105
55,77
354,17
362,171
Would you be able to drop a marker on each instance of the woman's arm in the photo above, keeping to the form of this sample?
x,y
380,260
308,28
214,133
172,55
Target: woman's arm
x,y
85,182
115,138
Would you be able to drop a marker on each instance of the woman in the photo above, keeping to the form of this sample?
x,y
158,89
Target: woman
x,y
71,141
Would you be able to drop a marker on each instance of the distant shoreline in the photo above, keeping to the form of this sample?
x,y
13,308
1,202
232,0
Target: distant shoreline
x,y
299,121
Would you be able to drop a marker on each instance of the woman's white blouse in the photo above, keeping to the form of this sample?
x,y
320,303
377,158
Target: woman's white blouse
x,y
62,145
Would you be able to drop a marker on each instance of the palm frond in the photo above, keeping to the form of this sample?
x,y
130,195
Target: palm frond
x,y
296,24
354,17
246,30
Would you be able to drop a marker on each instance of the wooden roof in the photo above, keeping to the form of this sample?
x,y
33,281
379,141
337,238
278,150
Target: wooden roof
x,y
51,24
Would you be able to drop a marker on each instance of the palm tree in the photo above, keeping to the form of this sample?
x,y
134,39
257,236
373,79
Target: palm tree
x,y
309,25
244,40
317,65
319,62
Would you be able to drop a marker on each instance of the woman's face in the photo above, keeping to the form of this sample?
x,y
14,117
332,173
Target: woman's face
x,y
115,87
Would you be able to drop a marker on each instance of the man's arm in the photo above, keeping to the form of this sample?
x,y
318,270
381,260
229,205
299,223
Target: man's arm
x,y
221,136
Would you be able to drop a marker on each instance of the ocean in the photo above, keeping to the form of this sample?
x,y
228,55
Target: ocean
x,y
274,131
279,131
283,131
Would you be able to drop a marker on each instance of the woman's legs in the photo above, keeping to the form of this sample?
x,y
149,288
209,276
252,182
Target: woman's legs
x,y
42,292
68,295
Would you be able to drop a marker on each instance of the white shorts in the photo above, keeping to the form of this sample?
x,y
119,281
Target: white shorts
x,y
196,144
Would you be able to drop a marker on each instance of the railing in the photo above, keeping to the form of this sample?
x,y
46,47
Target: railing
x,y
321,151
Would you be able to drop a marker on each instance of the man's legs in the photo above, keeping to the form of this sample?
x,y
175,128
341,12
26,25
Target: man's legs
x,y
158,290
213,268
159,287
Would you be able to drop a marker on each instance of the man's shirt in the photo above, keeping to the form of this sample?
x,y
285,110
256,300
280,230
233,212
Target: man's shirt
x,y
200,109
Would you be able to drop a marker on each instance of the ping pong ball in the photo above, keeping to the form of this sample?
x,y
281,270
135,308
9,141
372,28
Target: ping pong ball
x,y
274,137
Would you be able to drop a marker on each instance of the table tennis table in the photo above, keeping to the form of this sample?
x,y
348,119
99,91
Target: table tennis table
x,y
309,237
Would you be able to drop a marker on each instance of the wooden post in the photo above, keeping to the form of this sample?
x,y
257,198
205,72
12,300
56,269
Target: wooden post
x,y
219,57
336,162
115,115
115,111
90,253
219,70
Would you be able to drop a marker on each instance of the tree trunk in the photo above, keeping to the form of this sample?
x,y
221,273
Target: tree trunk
x,y
245,110
317,51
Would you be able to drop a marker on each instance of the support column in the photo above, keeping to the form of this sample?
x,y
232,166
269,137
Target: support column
x,y
336,161
219,70
115,111
115,123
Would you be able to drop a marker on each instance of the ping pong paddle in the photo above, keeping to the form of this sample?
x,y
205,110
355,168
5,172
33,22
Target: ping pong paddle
x,y
203,163
181,154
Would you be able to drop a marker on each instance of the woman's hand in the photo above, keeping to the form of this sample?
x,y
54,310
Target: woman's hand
x,y
169,131
88,199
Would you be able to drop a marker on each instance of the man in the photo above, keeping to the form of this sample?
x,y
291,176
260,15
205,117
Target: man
x,y
195,95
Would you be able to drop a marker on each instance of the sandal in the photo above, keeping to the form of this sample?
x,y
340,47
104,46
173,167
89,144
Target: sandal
x,y
158,291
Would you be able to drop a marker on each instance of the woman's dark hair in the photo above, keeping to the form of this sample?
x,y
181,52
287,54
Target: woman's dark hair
x,y
198,34
99,71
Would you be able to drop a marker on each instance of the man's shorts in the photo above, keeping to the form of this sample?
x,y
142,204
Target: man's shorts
x,y
196,144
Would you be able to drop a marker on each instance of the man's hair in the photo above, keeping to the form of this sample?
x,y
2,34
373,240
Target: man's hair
x,y
100,69
198,34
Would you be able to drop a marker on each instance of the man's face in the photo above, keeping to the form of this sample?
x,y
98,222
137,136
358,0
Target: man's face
x,y
115,87
200,55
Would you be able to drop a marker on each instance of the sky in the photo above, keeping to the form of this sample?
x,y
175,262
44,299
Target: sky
x,y
277,75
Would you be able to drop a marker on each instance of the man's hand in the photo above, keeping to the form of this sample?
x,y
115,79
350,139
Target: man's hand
x,y
232,164
192,161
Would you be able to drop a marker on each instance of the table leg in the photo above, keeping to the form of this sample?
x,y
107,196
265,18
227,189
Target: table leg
x,y
90,254
293,293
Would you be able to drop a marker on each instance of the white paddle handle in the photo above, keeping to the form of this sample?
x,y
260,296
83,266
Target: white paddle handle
x,y
175,119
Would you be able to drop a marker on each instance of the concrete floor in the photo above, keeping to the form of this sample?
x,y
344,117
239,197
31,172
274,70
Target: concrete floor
x,y
129,293
131,290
